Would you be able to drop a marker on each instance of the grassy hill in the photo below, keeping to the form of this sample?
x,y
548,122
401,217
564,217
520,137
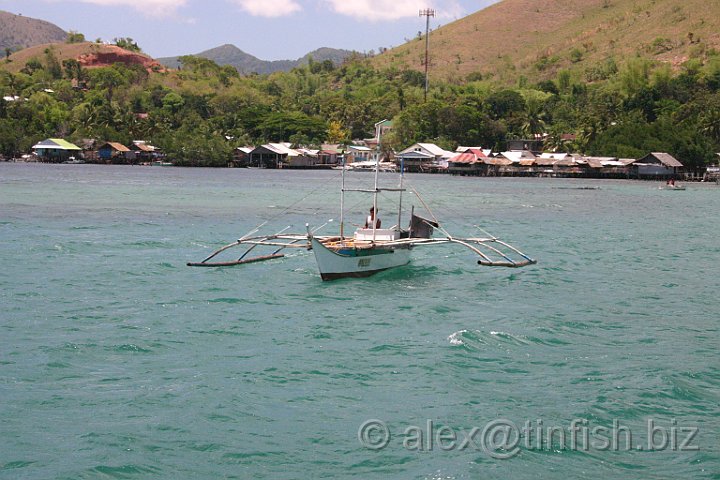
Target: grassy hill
x,y
87,53
537,38
18,32
246,63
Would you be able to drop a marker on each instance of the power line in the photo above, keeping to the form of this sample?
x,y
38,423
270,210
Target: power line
x,y
428,12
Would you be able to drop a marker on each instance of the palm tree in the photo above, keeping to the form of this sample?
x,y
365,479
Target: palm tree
x,y
533,121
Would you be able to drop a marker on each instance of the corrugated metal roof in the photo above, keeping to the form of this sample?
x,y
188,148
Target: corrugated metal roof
x,y
667,159
498,161
415,154
282,149
467,157
480,153
517,155
596,162
663,158
308,152
435,150
143,146
57,143
431,148
554,156
117,146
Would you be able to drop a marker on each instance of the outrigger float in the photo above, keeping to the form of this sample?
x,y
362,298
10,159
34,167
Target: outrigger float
x,y
369,250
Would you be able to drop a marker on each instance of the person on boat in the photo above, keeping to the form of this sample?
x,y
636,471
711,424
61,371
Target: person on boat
x,y
372,219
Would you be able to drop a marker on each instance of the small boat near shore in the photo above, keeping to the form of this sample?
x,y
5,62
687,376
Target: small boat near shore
x,y
73,161
368,166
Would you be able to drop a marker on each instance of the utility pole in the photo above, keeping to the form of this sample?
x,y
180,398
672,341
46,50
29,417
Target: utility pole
x,y
428,12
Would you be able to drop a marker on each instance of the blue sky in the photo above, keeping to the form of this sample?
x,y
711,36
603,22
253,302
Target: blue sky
x,y
268,29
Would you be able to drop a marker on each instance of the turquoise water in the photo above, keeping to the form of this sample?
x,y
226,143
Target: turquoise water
x,y
118,361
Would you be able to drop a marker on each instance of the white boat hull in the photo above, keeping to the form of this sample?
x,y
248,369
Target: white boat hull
x,y
354,262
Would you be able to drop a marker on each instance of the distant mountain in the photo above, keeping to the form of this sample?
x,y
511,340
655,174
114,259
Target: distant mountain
x,y
538,38
18,32
246,63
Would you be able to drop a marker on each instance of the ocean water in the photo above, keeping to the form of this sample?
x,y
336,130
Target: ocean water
x,y
118,361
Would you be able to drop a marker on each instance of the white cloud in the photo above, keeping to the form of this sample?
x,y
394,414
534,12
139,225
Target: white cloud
x,y
389,10
150,7
269,8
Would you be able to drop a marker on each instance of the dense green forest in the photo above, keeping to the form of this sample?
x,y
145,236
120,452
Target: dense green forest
x,y
201,112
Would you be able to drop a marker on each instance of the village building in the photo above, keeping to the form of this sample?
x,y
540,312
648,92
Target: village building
x,y
271,155
485,151
515,162
358,153
330,154
308,158
241,157
424,157
89,149
655,165
470,161
712,173
56,150
142,152
281,155
534,145
500,165
113,152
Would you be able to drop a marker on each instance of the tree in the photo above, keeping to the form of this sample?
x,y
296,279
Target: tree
x,y
52,64
533,121
31,66
280,126
504,103
634,137
127,43
336,133
172,102
75,37
73,69
107,79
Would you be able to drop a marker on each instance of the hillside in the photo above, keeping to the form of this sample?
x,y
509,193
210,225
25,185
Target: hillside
x,y
88,54
246,63
18,32
536,38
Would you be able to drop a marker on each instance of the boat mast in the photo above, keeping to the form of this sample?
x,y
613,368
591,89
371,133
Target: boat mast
x,y
402,176
375,193
342,198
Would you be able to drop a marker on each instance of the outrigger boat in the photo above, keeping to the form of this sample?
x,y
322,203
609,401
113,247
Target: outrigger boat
x,y
369,250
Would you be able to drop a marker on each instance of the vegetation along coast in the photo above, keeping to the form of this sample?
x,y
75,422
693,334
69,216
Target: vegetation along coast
x,y
612,104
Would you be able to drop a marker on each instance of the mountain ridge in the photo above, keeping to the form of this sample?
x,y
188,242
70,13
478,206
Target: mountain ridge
x,y
18,32
246,63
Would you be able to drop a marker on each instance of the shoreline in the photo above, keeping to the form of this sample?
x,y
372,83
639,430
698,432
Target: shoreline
x,y
682,177
695,180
